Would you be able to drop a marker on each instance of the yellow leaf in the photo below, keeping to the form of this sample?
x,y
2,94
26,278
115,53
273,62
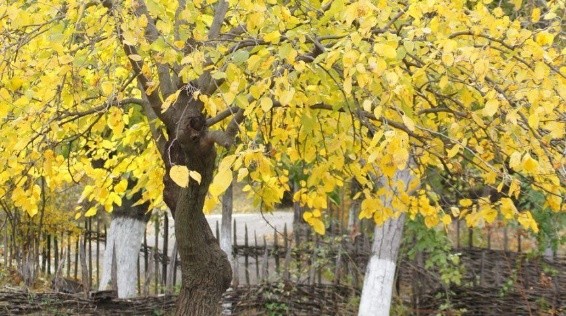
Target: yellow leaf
x,y
170,99
544,38
180,175
446,219
368,207
465,202
266,104
221,181
491,107
409,123
272,37
514,188
527,221
431,221
448,59
209,204
515,160
121,186
91,212
508,208
78,215
535,15
454,151
529,164
107,88
317,225
195,176
541,71
455,211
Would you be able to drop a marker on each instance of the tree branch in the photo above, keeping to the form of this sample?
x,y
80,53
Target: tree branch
x,y
219,14
151,35
227,138
222,115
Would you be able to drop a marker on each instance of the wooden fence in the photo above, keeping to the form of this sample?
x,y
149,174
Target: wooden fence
x,y
302,258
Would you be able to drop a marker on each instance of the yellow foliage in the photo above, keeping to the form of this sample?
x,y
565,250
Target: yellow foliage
x,y
330,92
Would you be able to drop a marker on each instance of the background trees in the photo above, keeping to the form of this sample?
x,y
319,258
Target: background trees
x,y
354,89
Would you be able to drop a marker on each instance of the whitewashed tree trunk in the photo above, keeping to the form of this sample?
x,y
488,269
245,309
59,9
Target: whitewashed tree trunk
x,y
125,235
380,272
124,239
226,226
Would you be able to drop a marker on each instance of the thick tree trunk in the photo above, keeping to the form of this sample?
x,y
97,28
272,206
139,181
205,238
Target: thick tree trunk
x,y
123,241
205,268
380,272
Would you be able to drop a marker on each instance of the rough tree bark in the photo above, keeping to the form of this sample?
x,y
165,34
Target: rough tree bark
x,y
205,269
380,272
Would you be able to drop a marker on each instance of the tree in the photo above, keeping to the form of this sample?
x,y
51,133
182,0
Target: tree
x,y
352,89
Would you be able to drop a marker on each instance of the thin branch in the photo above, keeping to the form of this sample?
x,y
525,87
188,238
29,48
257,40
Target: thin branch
x,y
222,115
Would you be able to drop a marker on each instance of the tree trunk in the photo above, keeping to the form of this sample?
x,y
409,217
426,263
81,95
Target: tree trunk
x,y
123,241
380,272
226,227
205,268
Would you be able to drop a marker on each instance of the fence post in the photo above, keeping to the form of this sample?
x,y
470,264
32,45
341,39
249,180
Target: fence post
x,y
265,264
49,254
97,250
286,274
276,250
69,254
165,249
236,271
89,234
156,257
246,255
145,263
56,250
77,250
172,269
256,257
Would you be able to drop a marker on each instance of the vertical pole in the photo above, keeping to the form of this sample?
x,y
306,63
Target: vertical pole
x,y
156,256
48,254
56,251
256,257
89,250
145,259
165,249
246,255
97,250
276,250
75,276
69,254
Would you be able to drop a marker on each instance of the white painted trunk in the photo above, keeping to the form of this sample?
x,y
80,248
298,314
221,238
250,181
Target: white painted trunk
x,y
380,272
378,287
226,226
125,234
